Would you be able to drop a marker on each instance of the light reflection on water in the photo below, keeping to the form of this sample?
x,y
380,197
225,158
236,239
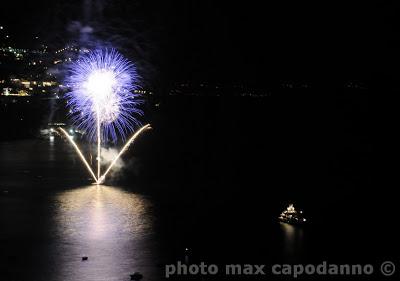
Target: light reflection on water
x,y
113,228
293,241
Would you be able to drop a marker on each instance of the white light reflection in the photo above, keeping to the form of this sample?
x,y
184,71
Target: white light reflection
x,y
110,226
293,241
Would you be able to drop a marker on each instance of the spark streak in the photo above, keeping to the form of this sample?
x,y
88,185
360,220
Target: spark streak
x,y
128,143
98,143
79,153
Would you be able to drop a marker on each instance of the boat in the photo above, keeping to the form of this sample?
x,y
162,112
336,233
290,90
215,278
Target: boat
x,y
292,216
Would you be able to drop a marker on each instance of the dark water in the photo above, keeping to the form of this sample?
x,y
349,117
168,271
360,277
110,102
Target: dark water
x,y
212,176
47,227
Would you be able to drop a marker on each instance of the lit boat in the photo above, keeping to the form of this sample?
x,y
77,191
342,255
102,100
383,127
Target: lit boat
x,y
292,216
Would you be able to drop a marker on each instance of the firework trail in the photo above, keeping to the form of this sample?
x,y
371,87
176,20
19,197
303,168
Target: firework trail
x,y
79,153
128,143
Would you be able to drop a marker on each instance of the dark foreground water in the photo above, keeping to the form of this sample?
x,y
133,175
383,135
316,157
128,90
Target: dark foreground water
x,y
214,184
46,227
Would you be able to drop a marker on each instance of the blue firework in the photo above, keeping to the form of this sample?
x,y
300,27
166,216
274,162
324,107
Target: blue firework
x,y
102,90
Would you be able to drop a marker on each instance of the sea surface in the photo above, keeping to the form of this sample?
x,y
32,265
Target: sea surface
x,y
205,185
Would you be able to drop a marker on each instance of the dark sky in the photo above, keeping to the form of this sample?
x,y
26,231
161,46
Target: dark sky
x,y
248,40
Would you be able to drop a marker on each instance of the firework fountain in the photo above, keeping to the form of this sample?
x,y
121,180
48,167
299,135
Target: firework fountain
x,y
103,102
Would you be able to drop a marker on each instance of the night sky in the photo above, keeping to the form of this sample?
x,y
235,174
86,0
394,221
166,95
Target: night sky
x,y
249,41
219,164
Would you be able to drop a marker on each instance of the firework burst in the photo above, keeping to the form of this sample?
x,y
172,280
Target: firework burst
x,y
103,102
102,97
